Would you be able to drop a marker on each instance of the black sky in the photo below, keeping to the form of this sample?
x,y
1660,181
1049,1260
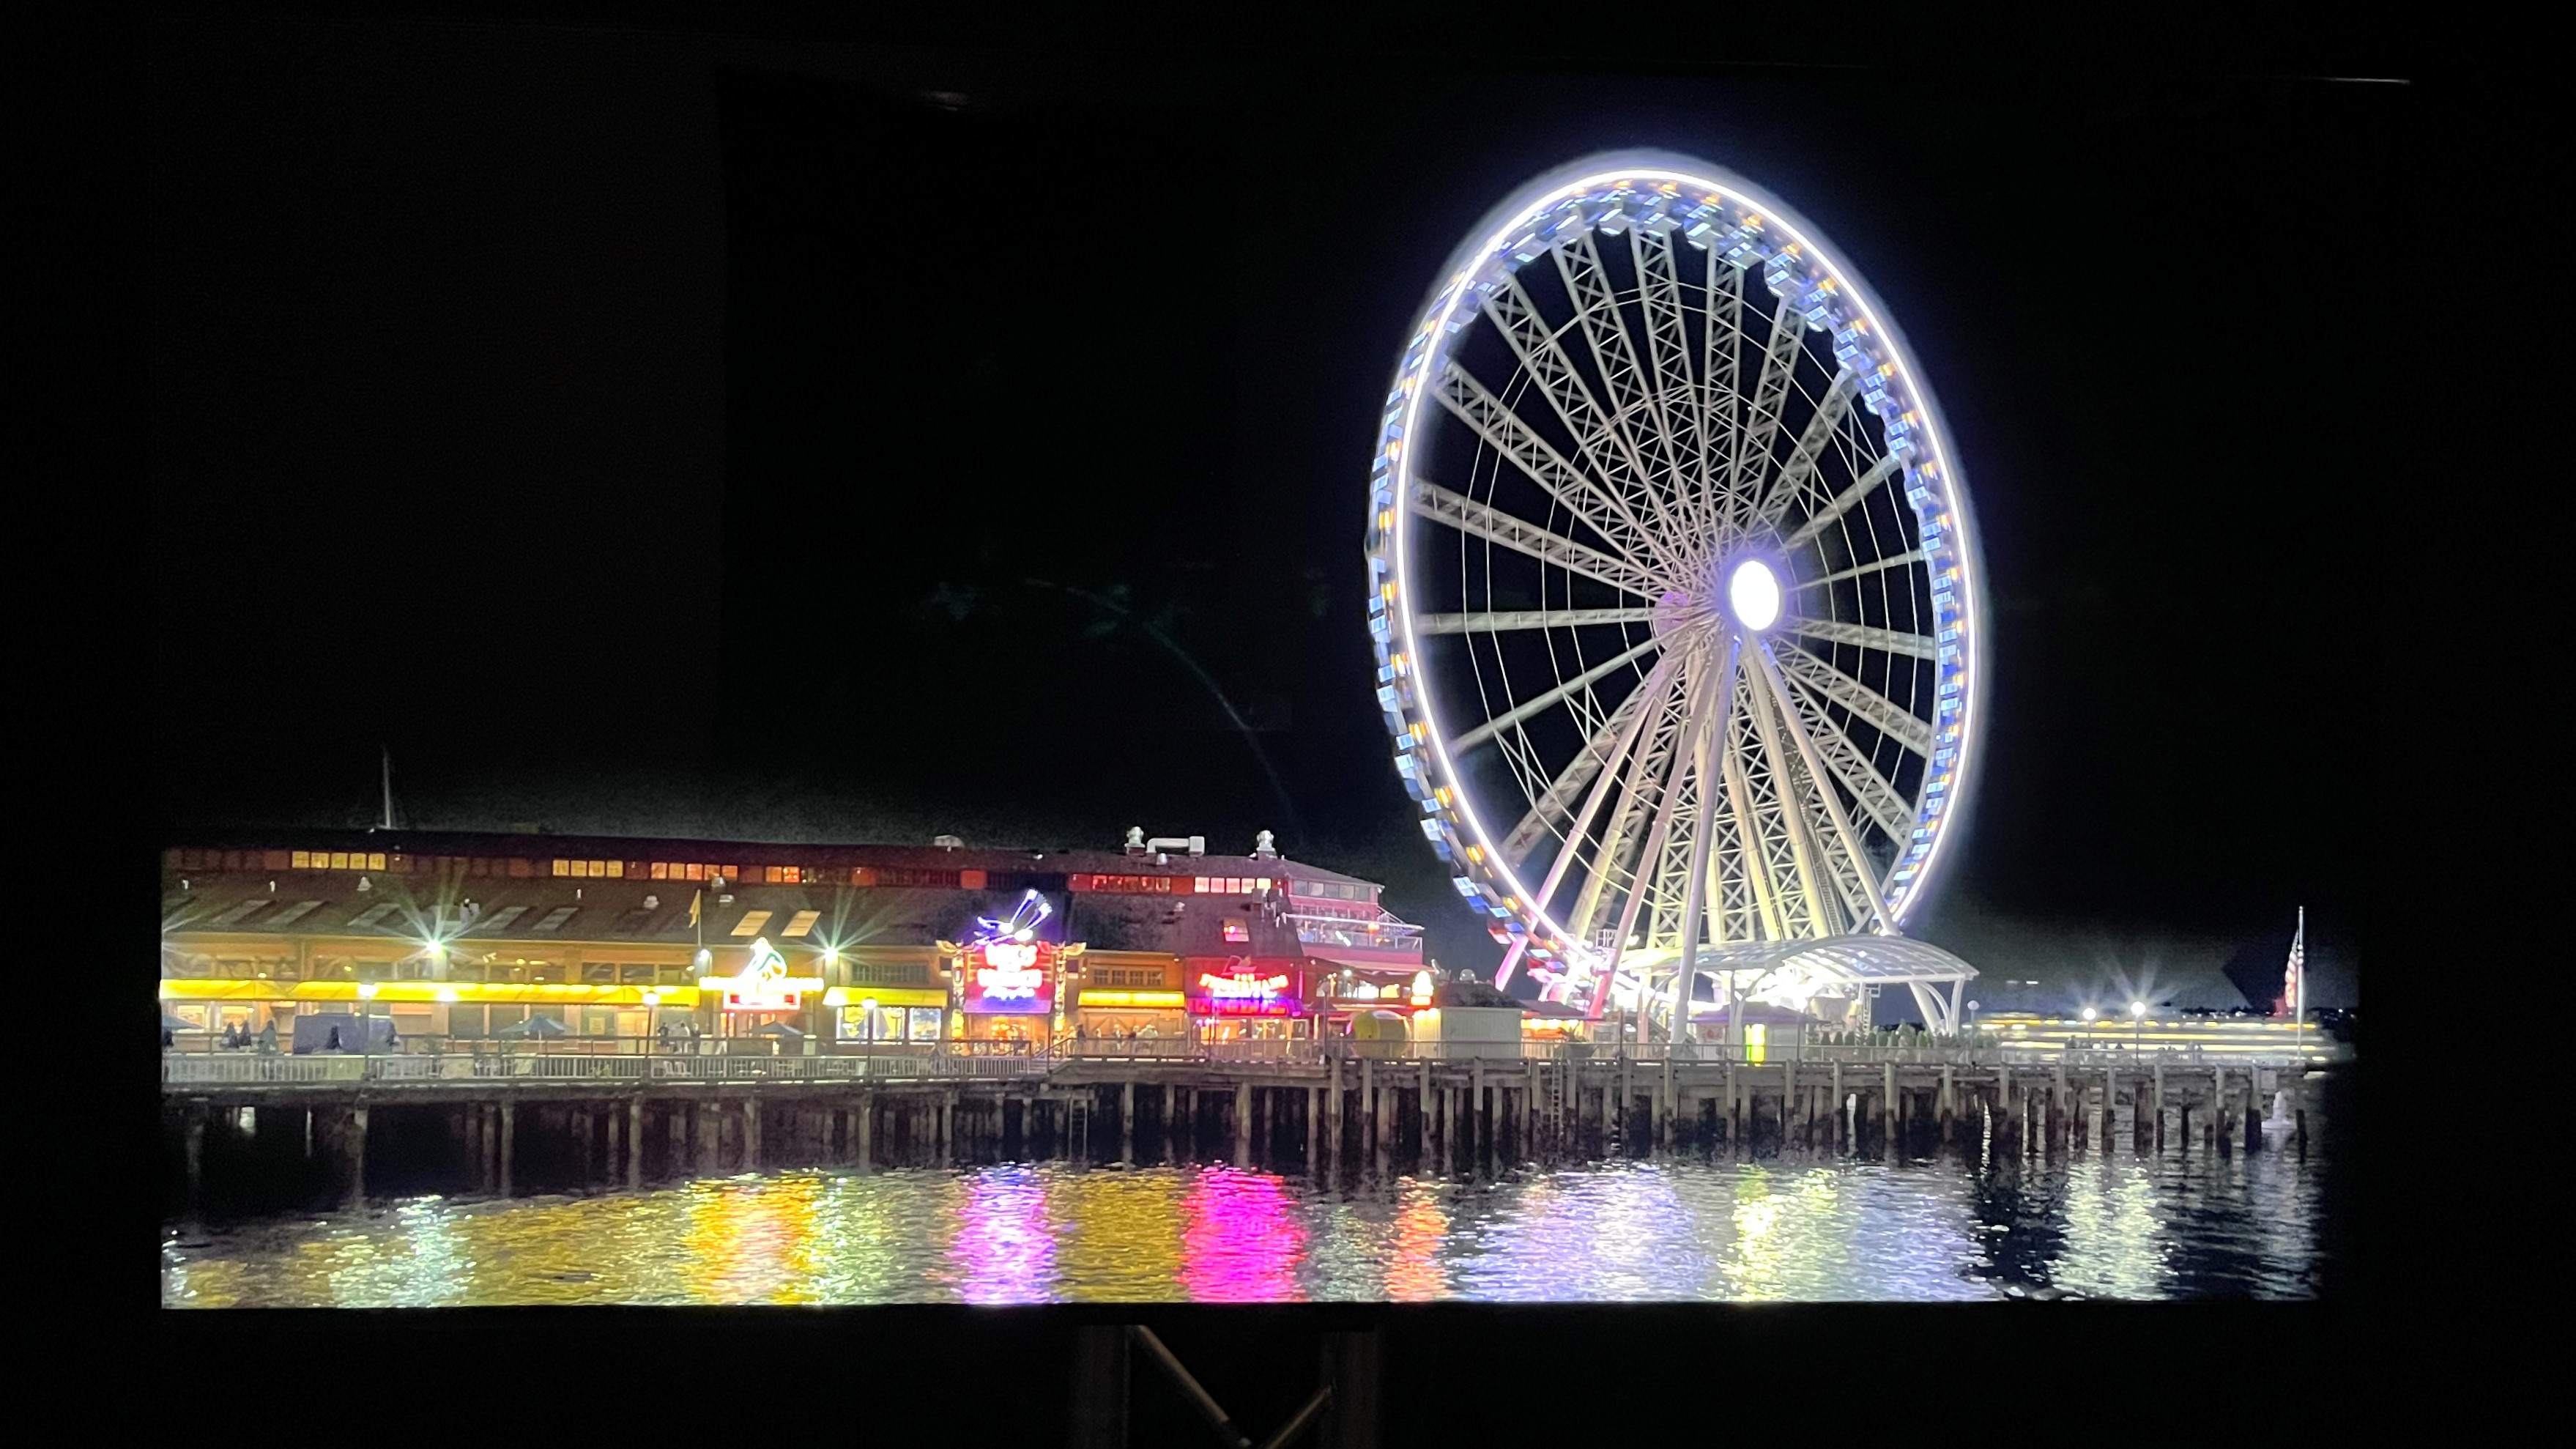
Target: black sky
x,y
638,431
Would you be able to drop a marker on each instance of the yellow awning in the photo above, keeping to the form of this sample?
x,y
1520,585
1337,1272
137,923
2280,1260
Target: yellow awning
x,y
893,995
1133,1000
467,993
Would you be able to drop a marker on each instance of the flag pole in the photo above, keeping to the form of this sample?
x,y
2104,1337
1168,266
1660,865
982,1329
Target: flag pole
x,y
2299,986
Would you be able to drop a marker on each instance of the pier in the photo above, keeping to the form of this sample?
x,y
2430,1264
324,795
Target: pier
x,y
247,1130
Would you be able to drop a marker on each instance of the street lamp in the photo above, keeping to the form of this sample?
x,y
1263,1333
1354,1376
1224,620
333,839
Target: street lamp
x,y
2137,1016
644,1043
366,1001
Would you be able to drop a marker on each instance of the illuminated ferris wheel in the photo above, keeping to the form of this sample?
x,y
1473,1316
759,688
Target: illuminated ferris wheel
x,y
1675,593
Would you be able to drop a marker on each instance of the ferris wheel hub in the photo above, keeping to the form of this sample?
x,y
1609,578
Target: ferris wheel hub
x,y
1753,595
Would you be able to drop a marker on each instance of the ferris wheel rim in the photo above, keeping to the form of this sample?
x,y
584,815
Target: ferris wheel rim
x,y
1942,817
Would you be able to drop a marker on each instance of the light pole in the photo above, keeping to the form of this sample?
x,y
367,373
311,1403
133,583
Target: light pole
x,y
366,1013
2137,1031
644,1040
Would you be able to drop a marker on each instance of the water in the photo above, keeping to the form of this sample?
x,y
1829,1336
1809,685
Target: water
x,y
2180,1225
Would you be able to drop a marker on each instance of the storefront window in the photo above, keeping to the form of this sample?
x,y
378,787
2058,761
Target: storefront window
x,y
926,1023
193,1015
465,1021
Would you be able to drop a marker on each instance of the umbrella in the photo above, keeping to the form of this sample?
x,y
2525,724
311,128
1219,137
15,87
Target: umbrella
x,y
172,1023
534,1026
778,1029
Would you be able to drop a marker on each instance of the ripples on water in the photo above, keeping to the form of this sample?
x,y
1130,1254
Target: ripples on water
x,y
2111,1227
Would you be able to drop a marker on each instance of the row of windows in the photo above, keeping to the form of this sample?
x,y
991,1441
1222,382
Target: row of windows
x,y
1138,885
334,860
213,860
1126,976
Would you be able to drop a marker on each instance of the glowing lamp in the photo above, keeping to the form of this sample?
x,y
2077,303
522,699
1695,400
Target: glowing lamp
x,y
2089,1013
2138,1009
836,998
446,995
367,990
1754,594
652,998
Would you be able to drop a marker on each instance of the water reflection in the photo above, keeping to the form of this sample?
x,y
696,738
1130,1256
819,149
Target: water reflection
x,y
2114,1226
1003,1251
1243,1239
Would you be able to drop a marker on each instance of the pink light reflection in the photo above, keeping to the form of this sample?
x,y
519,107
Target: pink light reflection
x,y
1240,1240
1003,1252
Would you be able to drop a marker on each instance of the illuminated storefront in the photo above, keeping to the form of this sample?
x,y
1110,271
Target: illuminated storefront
x,y
1008,980
1131,995
1351,993
1238,998
761,994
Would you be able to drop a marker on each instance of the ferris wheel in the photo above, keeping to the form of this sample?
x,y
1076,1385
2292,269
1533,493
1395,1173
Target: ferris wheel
x,y
1674,589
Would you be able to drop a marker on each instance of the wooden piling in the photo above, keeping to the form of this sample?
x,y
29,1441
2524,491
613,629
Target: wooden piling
x,y
2160,1105
1887,1104
509,1131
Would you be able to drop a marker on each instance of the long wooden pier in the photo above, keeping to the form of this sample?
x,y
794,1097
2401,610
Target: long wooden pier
x,y
341,1128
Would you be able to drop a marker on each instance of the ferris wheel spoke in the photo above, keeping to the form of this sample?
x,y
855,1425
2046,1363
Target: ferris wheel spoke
x,y
1572,488
1845,762
1787,485
1770,392
1676,395
1868,636
1465,514
1684,746
1889,718
1541,703
1605,335
1593,767
1645,765
1721,372
1894,560
1806,853
1600,445
1861,487
1495,621
1855,878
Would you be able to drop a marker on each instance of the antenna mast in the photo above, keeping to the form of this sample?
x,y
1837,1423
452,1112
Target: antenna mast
x,y
388,755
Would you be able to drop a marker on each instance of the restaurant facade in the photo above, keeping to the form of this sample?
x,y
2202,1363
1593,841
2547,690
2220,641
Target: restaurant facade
x,y
467,940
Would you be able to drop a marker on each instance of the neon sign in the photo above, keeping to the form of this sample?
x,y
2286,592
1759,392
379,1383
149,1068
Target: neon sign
x,y
763,983
1243,990
1010,977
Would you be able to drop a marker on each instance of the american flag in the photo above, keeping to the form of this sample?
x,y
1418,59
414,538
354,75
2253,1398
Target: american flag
x,y
2293,978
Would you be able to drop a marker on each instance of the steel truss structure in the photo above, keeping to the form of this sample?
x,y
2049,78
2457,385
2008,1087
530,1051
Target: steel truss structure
x,y
1675,597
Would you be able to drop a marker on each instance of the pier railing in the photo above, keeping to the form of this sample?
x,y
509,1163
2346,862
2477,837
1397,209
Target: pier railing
x,y
252,1069
270,1068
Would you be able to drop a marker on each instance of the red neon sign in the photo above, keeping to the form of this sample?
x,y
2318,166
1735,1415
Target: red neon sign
x,y
1244,988
1010,978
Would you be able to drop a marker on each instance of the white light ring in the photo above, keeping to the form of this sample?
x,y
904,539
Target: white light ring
x,y
1935,475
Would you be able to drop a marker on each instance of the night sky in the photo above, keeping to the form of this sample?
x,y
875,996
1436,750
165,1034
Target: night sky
x,y
640,432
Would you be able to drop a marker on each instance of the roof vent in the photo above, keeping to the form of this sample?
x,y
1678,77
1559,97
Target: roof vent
x,y
1194,844
1135,840
1265,847
947,842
